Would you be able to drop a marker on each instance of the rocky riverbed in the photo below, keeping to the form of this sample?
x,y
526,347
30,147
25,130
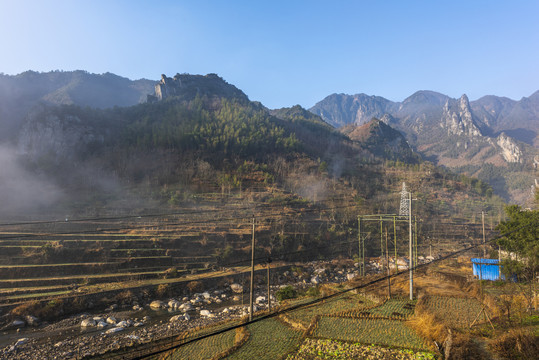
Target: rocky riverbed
x,y
86,335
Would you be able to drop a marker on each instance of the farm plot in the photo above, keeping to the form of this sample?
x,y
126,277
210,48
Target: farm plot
x,y
369,331
344,303
456,311
394,308
203,349
331,349
270,339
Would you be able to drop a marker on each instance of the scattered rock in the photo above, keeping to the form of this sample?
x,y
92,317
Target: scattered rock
x,y
21,341
114,330
186,307
205,313
137,308
32,320
206,295
157,304
112,320
237,288
315,280
88,323
176,318
174,304
101,325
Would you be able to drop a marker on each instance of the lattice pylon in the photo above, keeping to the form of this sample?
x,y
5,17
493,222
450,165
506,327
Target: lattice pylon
x,y
405,202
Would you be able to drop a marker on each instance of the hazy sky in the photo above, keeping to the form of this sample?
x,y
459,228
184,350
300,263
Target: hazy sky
x,y
286,52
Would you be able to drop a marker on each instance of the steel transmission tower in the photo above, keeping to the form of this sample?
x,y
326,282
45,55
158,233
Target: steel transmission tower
x,y
405,202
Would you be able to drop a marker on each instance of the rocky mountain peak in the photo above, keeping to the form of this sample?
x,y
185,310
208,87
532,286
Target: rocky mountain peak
x,y
188,86
458,118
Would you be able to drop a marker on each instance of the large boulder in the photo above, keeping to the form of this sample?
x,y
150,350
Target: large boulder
x,y
205,313
15,324
102,325
114,330
237,288
174,304
157,305
186,307
88,323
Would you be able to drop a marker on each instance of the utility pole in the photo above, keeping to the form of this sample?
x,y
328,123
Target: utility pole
x,y
483,223
411,255
269,293
381,242
395,242
252,272
388,271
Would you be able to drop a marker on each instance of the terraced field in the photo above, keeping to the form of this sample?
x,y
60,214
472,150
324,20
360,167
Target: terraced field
x,y
344,303
369,331
206,348
394,308
338,350
456,311
270,339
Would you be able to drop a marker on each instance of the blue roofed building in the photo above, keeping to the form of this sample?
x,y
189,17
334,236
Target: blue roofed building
x,y
487,269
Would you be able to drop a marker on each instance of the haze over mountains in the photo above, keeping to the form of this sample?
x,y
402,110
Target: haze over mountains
x,y
493,138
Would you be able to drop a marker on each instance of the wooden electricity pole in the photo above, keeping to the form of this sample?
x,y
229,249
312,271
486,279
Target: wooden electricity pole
x,y
388,271
411,254
252,272
483,223
269,293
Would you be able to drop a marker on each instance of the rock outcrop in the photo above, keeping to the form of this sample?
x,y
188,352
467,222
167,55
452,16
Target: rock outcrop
x,y
458,119
187,87
509,149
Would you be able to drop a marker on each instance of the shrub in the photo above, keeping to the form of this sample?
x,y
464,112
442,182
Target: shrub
x,y
162,290
287,292
516,344
465,348
194,286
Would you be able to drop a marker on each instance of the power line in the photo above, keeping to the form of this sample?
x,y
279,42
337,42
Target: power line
x,y
315,301
191,222
255,206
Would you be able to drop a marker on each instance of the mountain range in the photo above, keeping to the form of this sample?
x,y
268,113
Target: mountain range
x,y
493,138
63,117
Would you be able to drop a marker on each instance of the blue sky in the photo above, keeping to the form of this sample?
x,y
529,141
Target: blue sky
x,y
284,53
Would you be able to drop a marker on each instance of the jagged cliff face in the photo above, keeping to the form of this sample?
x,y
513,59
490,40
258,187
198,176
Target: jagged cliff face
x,y
458,119
510,150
